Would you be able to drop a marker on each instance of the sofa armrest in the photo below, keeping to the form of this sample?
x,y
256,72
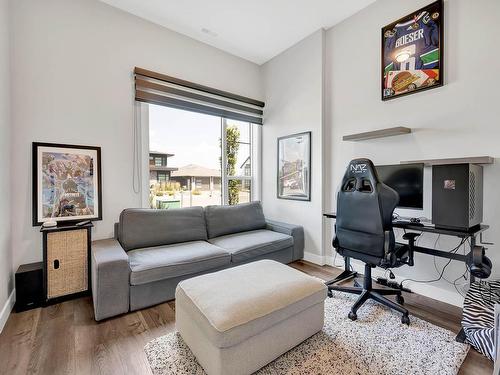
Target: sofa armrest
x,y
296,231
110,279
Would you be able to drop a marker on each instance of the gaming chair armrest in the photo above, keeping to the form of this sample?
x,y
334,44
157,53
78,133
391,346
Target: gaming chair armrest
x,y
410,237
335,242
401,253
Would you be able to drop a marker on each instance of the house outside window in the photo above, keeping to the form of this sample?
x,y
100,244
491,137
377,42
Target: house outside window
x,y
158,169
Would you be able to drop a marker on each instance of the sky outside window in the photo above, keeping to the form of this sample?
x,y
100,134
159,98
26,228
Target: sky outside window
x,y
192,137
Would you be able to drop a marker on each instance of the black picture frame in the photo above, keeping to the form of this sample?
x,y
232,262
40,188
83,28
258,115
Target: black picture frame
x,y
431,16
35,183
306,180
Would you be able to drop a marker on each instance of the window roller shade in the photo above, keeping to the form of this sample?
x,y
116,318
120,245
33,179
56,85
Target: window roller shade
x,y
160,89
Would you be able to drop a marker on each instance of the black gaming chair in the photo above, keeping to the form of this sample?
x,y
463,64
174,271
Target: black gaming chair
x,y
364,231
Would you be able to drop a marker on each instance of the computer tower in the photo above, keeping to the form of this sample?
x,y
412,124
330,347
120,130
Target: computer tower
x,y
457,196
29,286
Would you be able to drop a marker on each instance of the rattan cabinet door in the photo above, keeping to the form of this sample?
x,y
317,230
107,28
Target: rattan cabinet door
x,y
67,271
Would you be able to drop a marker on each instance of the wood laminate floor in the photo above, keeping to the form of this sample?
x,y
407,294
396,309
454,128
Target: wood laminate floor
x,y
65,339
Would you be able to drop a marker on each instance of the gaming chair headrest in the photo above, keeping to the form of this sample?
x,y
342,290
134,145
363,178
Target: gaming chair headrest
x,y
358,173
361,168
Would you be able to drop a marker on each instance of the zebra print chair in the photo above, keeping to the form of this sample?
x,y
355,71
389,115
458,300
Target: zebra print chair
x,y
478,319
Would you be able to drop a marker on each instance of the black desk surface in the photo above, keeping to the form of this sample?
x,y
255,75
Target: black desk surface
x,y
431,229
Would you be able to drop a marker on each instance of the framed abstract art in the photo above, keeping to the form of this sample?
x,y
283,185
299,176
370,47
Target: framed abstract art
x,y
66,183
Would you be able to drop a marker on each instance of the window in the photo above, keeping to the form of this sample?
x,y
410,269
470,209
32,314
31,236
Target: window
x,y
205,160
163,176
238,161
158,162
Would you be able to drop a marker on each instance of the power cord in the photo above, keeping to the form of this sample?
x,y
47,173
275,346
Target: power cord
x,y
454,250
434,258
464,276
335,260
454,282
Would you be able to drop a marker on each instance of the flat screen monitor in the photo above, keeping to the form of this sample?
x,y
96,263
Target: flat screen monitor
x,y
407,180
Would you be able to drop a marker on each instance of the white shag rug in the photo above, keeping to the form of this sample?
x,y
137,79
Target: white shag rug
x,y
377,343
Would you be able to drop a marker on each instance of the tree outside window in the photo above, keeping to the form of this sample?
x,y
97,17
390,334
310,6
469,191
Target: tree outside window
x,y
232,147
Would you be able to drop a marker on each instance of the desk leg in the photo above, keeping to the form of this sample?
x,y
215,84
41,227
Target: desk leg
x,y
461,335
472,245
345,275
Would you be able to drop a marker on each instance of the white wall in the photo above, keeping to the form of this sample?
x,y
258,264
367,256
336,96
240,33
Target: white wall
x,y
293,86
459,119
72,69
6,279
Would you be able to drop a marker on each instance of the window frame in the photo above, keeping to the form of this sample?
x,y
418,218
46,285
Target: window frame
x,y
225,177
255,151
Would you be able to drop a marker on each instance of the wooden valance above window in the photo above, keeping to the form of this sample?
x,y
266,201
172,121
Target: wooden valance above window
x,y
160,89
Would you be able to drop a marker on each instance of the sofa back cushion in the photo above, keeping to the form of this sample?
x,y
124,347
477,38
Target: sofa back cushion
x,y
142,227
223,220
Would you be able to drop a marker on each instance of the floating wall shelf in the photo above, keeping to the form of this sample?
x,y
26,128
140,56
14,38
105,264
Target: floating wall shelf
x,y
467,160
389,132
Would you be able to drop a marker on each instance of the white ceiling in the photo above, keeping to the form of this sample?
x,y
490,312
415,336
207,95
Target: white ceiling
x,y
256,30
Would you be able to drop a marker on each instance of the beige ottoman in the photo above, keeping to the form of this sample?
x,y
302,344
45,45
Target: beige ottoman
x,y
237,320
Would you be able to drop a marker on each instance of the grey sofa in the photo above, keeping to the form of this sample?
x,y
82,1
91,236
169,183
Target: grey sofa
x,y
153,250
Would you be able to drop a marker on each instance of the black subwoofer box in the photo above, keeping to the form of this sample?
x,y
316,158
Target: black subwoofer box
x,y
29,286
457,196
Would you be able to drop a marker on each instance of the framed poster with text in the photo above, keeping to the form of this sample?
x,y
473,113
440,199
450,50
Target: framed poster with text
x,y
412,52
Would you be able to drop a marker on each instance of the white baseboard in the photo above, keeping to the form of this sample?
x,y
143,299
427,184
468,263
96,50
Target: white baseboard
x,y
314,258
7,308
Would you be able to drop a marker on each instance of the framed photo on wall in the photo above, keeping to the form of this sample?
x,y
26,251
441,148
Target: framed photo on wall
x,y
66,183
412,52
294,167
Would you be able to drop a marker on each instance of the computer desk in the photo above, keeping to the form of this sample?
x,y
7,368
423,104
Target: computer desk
x,y
470,235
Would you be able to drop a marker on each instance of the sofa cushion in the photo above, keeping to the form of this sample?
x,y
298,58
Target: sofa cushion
x,y
164,262
223,220
139,228
247,245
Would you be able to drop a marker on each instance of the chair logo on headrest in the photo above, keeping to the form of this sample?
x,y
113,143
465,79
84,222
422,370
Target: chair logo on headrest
x,y
358,168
